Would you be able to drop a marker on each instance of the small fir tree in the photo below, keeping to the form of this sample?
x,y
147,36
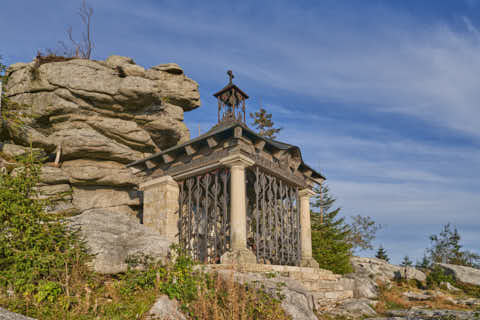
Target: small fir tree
x,y
382,254
406,262
424,263
262,121
330,247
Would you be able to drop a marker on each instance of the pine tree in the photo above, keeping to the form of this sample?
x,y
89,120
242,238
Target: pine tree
x,y
425,263
446,248
262,121
406,262
382,254
330,247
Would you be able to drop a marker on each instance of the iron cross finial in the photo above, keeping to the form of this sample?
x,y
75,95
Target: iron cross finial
x,y
230,76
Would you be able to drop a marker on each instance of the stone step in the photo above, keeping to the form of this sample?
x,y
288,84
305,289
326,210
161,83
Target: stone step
x,y
333,295
319,285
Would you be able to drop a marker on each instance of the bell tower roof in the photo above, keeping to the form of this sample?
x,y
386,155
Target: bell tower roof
x,y
231,102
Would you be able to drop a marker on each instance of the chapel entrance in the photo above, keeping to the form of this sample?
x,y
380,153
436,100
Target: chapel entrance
x,y
273,219
204,220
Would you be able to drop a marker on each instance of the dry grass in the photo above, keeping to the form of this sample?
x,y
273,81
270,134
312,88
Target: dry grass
x,y
51,57
393,298
228,300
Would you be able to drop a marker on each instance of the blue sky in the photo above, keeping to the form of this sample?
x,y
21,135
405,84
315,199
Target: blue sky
x,y
383,97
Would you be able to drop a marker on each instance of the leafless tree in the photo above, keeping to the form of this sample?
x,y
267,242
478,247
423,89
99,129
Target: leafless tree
x,y
84,47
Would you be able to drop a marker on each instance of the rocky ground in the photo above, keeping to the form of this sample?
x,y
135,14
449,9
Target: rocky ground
x,y
97,116
380,294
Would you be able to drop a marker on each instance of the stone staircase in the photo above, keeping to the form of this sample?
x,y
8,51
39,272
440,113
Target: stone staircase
x,y
324,286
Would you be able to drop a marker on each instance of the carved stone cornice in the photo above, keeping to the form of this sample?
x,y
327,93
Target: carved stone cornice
x,y
307,193
237,160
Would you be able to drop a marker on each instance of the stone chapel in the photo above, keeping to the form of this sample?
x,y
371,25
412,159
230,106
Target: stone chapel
x,y
231,196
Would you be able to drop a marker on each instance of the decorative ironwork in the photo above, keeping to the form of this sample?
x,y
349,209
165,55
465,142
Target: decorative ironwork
x,y
231,102
204,220
273,219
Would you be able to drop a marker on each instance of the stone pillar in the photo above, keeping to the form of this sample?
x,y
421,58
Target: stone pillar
x,y
306,229
160,206
239,253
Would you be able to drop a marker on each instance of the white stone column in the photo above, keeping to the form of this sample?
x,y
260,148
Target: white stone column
x,y
306,229
160,206
239,253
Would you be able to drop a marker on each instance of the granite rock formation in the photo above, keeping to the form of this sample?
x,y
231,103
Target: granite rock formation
x,y
378,269
98,116
462,273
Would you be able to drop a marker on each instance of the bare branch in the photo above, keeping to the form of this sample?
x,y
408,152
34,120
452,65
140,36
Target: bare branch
x,y
77,49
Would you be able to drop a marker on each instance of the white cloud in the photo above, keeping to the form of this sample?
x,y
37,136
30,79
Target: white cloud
x,y
430,72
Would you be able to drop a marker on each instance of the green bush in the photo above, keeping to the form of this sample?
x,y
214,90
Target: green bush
x,y
201,295
36,249
178,279
438,275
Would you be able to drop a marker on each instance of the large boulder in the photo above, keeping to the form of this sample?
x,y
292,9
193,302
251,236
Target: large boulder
x,y
379,269
362,286
165,309
114,236
462,274
359,308
92,118
89,119
118,99
108,198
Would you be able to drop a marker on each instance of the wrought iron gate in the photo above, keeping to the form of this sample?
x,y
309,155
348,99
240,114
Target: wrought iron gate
x,y
203,225
273,219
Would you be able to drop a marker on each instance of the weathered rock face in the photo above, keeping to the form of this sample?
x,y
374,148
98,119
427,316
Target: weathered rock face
x,y
462,274
97,116
114,236
361,285
102,115
379,269
424,314
113,107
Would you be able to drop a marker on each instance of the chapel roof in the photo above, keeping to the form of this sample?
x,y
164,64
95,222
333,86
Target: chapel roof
x,y
225,130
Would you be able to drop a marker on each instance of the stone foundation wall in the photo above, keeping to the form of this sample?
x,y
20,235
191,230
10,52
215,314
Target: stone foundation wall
x,y
320,289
